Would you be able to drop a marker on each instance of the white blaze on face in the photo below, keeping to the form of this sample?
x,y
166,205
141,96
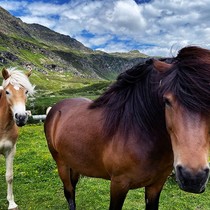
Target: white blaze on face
x,y
14,96
19,114
16,87
19,108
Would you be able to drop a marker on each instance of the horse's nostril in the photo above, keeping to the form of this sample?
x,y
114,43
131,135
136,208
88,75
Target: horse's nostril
x,y
206,171
20,116
179,169
191,180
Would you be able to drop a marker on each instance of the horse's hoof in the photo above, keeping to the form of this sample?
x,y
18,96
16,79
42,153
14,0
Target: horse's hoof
x,y
16,208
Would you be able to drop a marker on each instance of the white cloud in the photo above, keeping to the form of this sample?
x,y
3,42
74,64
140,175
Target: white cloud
x,y
40,20
122,25
126,17
44,9
13,5
152,51
115,47
100,40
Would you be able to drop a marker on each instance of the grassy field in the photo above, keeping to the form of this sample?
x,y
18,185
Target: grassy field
x,y
77,88
38,187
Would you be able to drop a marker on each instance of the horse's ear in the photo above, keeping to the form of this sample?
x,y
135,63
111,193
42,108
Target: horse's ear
x,y
5,73
161,66
28,74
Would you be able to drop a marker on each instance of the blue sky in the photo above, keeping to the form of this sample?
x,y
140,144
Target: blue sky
x,y
154,27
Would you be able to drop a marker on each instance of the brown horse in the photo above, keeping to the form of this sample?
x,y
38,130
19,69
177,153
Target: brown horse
x,y
13,95
156,116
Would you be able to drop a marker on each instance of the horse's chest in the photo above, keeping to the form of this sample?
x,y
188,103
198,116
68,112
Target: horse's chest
x,y
5,145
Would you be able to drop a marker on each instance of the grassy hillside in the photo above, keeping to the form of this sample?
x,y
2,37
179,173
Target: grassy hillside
x,y
45,51
54,87
37,47
62,66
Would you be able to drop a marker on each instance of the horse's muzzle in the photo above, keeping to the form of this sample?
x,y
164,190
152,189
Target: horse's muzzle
x,y
190,181
21,119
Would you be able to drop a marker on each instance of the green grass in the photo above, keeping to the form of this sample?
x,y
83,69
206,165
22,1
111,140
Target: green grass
x,y
38,187
70,89
2,48
33,57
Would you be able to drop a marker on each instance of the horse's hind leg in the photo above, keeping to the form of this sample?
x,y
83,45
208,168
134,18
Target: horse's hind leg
x,y
69,180
9,155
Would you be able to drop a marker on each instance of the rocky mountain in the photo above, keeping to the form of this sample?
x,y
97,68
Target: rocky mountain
x,y
37,47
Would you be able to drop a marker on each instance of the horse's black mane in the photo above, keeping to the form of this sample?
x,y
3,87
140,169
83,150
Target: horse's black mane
x,y
131,103
189,79
134,102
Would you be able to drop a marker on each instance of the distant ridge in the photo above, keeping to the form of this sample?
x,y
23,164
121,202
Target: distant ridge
x,y
36,46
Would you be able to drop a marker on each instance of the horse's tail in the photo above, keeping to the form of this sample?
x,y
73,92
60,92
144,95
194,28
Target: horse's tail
x,y
48,109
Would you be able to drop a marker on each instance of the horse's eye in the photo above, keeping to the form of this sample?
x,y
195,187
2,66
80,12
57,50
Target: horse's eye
x,y
7,92
167,102
26,92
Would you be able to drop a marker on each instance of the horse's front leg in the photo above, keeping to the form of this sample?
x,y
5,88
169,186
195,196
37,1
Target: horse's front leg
x,y
118,193
9,155
152,195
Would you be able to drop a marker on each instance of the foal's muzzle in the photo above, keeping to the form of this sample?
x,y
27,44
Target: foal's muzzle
x,y
190,181
21,119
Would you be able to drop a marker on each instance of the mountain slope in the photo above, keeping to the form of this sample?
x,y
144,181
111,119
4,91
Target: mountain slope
x,y
37,47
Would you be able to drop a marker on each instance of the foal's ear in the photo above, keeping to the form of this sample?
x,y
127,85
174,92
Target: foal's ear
x,y
161,66
28,74
5,73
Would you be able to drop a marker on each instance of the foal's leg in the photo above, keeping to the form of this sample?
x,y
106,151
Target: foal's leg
x,y
152,195
69,180
9,155
118,194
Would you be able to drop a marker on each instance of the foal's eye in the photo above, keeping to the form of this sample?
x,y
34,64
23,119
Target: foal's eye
x,y
167,101
7,92
26,92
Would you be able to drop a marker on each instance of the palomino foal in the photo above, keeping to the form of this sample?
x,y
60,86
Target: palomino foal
x,y
13,95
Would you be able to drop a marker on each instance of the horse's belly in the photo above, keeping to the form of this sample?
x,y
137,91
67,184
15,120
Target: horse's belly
x,y
85,163
83,152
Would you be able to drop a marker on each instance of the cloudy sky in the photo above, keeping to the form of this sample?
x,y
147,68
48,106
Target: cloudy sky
x,y
154,27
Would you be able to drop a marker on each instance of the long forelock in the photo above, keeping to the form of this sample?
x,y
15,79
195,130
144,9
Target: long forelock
x,y
19,79
189,81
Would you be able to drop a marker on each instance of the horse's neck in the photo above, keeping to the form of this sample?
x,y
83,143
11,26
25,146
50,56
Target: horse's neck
x,y
6,118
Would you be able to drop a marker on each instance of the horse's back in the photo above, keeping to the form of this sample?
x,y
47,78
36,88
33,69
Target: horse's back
x,y
64,107
60,113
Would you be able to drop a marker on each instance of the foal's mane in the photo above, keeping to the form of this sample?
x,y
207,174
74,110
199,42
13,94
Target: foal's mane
x,y
130,105
19,79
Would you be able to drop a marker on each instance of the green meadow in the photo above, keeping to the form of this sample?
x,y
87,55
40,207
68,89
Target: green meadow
x,y
36,182
38,187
